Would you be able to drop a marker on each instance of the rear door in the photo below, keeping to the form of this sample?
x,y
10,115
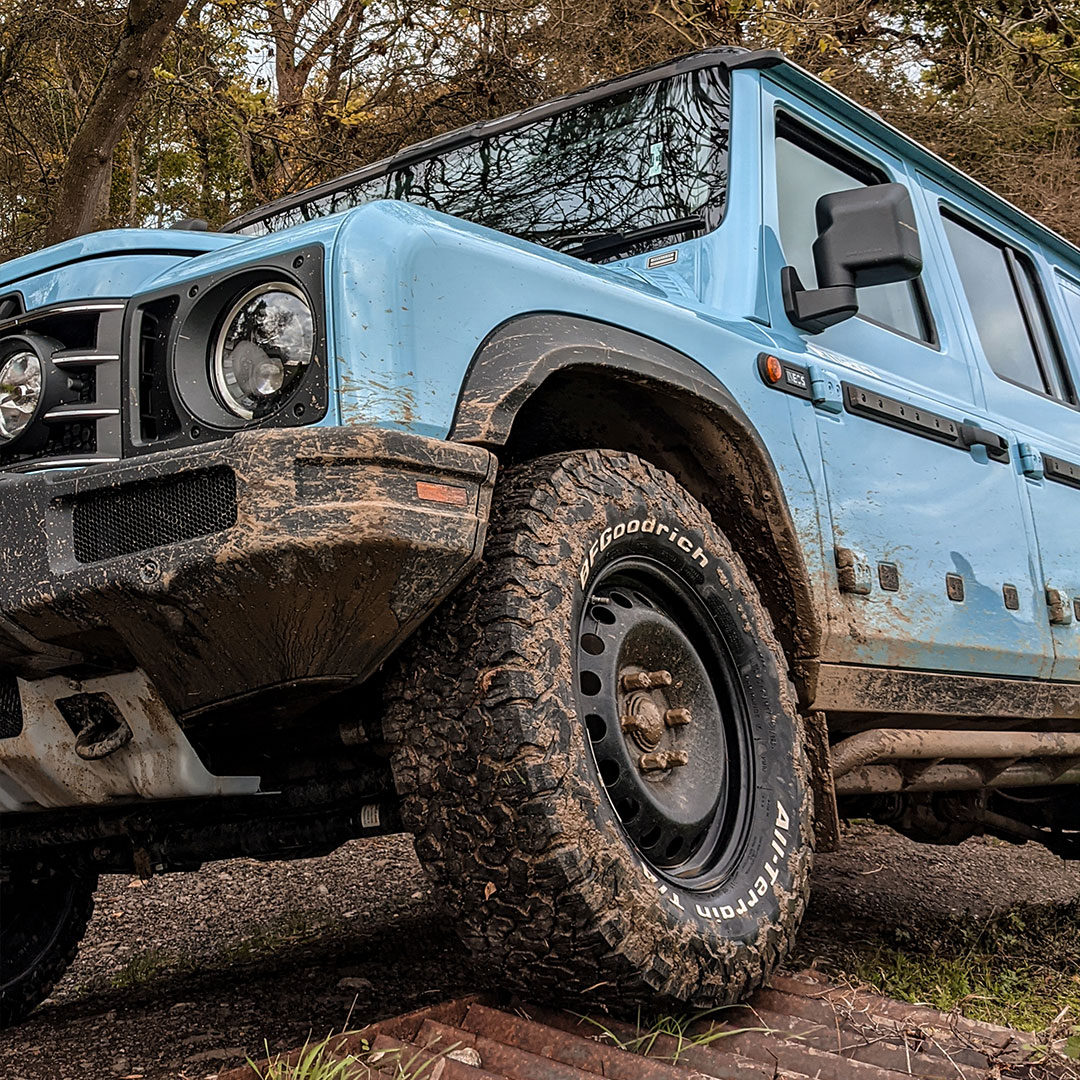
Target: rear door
x,y
1024,316
930,534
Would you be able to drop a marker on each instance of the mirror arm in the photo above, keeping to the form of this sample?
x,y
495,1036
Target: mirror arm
x,y
815,310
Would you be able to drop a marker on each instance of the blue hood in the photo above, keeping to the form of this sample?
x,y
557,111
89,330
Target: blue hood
x,y
106,264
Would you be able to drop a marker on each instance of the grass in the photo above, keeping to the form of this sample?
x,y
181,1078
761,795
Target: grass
x,y
323,1061
316,1062
143,967
263,939
290,928
677,1028
1019,968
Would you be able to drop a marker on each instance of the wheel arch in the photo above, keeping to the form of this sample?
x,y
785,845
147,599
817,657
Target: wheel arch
x,y
534,385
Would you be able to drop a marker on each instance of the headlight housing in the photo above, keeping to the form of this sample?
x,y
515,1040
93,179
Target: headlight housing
x,y
264,345
242,346
40,404
20,393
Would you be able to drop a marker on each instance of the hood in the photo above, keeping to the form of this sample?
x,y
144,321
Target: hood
x,y
95,260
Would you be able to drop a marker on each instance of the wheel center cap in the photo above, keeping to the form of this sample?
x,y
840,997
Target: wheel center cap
x,y
643,720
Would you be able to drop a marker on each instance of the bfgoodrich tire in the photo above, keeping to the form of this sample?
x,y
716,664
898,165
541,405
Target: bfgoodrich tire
x,y
44,909
597,747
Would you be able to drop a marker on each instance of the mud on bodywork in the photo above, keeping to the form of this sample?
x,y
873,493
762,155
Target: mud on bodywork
x,y
275,565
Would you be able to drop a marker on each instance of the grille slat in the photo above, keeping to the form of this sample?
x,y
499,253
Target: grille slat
x,y
11,717
151,513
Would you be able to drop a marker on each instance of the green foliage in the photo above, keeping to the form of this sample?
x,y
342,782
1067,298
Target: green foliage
x,y
1072,1044
667,1037
317,1061
1020,969
254,98
334,1058
142,968
261,941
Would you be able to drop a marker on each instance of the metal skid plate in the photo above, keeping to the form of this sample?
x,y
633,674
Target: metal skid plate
x,y
39,768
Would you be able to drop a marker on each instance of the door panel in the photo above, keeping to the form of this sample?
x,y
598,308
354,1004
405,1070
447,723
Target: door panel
x,y
941,530
1055,499
1056,509
931,531
1028,388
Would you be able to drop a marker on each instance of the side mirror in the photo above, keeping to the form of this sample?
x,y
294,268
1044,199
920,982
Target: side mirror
x,y
866,236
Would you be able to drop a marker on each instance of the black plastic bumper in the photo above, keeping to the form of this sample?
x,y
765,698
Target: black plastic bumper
x,y
276,559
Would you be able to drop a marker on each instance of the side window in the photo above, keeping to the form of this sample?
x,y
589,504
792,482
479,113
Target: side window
x,y
806,169
1071,295
1009,311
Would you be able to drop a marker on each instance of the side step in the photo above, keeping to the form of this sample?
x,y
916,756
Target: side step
x,y
796,1028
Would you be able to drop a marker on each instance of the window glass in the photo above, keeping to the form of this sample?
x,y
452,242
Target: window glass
x,y
994,280
1041,327
802,177
647,156
1071,294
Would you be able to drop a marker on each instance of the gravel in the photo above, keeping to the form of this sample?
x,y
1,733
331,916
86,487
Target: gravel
x,y
189,973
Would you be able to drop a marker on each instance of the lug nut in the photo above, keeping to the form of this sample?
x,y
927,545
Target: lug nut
x,y
645,680
677,717
662,760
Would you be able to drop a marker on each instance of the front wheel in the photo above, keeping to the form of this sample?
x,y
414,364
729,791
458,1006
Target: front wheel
x,y
597,745
44,909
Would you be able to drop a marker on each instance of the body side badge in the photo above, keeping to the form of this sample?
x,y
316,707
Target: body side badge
x,y
665,258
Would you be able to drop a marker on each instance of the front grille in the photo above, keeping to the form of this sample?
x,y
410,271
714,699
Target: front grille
x,y
11,718
152,513
65,439
157,415
79,422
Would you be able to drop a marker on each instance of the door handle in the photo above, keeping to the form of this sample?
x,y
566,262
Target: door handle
x,y
997,447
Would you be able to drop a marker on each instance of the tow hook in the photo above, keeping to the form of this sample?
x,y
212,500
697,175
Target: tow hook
x,y
99,728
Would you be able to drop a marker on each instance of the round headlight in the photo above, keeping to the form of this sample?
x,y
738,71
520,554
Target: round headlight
x,y
20,393
265,345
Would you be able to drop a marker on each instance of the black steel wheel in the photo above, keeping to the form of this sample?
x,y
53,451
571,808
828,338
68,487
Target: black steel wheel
x,y
44,909
667,721
597,746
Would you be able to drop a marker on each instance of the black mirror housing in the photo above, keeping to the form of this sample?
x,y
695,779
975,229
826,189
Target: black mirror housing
x,y
866,236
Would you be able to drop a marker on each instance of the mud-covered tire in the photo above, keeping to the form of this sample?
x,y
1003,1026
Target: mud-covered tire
x,y
44,909
500,778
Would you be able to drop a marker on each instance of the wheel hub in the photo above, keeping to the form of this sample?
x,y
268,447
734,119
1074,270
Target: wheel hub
x,y
655,724
643,719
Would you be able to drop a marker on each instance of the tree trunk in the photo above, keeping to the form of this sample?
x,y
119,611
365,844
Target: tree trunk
x,y
134,171
88,166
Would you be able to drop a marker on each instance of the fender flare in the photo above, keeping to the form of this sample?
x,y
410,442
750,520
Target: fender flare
x,y
519,355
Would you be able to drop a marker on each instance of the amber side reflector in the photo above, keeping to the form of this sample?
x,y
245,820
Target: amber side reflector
x,y
442,493
774,370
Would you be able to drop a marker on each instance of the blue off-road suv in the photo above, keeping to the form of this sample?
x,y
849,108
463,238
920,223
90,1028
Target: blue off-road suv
x,y
612,495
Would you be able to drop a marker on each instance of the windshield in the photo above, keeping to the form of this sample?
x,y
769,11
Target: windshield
x,y
649,156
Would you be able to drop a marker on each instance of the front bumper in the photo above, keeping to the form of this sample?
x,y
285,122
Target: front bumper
x,y
278,559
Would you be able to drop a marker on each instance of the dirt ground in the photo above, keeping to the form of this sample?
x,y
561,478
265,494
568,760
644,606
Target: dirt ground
x,y
185,974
